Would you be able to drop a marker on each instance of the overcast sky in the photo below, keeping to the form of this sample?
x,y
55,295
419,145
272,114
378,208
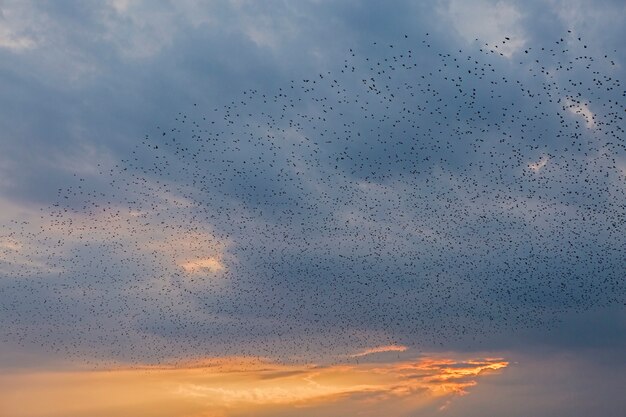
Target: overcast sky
x,y
432,186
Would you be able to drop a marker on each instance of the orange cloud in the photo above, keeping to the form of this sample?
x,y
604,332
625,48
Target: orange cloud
x,y
233,387
211,264
380,349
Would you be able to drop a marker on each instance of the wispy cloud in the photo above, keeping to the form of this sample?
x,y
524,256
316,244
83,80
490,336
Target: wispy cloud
x,y
581,108
379,349
13,30
537,166
211,264
488,21
234,386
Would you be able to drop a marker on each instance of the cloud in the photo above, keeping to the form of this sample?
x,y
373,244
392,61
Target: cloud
x,y
545,383
537,166
14,30
379,349
410,250
236,386
488,21
203,265
13,42
581,108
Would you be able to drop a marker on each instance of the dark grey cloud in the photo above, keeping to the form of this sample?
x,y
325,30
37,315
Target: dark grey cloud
x,y
576,383
158,134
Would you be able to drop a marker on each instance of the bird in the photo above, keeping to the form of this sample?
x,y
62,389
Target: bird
x,y
411,194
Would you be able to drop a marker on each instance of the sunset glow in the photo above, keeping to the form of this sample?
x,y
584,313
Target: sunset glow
x,y
312,208
199,265
235,386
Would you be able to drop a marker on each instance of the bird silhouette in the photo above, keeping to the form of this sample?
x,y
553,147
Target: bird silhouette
x,y
411,194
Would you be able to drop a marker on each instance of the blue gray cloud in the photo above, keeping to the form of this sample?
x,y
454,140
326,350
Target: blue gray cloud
x,y
341,175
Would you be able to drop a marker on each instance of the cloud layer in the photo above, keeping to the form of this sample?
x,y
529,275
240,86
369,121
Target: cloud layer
x,y
310,182
239,386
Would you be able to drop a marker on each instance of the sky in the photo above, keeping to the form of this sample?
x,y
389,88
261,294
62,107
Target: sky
x,y
273,208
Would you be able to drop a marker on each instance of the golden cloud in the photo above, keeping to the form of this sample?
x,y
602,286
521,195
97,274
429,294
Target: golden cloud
x,y
235,387
211,264
379,349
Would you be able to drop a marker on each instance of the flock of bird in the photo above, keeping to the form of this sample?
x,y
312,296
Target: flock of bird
x,y
411,195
